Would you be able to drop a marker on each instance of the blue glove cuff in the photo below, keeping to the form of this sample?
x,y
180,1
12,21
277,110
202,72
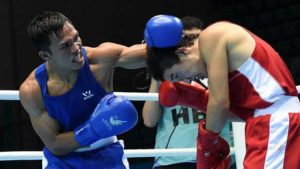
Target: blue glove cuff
x,y
85,135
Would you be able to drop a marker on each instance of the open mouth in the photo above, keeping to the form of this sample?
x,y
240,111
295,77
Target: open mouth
x,y
78,58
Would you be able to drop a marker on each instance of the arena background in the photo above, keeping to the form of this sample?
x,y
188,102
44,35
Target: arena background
x,y
122,21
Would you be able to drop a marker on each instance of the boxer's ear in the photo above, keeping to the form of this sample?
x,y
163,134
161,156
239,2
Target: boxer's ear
x,y
44,55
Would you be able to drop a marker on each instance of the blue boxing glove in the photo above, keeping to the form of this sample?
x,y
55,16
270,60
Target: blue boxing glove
x,y
112,116
163,31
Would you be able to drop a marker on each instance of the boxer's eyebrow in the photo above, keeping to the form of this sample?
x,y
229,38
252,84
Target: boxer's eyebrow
x,y
68,41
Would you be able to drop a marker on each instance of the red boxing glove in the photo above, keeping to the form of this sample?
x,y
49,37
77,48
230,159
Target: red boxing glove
x,y
213,151
181,93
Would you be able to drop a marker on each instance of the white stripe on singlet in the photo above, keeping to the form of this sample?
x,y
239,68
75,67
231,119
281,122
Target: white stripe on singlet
x,y
278,129
278,133
284,105
263,82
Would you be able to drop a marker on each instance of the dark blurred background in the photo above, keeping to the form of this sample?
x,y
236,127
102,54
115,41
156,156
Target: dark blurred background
x,y
122,21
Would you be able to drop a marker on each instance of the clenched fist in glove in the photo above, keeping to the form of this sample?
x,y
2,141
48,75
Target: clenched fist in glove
x,y
181,93
113,115
213,151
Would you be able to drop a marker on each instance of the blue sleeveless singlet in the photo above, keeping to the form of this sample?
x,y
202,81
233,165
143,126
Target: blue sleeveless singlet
x,y
75,106
72,109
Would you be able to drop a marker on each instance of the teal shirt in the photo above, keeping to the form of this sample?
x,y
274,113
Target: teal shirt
x,y
184,122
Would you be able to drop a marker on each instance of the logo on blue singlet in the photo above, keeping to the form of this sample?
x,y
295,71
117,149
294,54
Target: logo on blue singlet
x,y
114,121
87,94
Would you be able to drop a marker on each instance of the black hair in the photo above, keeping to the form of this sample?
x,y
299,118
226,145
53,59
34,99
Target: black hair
x,y
42,25
191,22
160,59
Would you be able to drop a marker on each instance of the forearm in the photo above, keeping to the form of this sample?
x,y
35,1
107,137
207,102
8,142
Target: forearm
x,y
49,131
63,144
216,117
151,113
133,57
151,109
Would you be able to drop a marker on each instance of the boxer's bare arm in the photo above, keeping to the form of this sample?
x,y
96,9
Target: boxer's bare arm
x,y
151,110
104,58
226,47
213,50
117,55
46,127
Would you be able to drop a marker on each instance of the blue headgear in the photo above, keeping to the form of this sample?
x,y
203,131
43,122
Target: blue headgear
x,y
163,31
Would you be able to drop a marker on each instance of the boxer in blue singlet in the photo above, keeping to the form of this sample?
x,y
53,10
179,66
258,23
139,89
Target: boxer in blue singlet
x,y
69,100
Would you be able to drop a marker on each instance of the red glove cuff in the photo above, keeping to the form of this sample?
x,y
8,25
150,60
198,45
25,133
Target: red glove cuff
x,y
212,150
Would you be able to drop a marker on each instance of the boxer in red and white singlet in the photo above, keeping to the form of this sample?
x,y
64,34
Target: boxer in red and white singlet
x,y
247,80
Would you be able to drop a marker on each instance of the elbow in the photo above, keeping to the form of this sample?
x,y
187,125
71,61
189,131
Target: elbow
x,y
57,151
225,105
149,123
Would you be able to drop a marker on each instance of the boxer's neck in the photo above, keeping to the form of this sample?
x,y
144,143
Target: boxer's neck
x,y
65,76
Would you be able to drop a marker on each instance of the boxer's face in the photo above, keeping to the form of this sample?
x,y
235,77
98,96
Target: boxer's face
x,y
189,68
189,45
65,47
